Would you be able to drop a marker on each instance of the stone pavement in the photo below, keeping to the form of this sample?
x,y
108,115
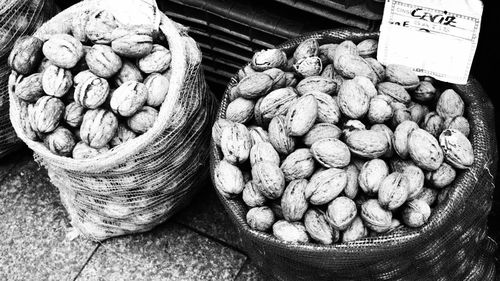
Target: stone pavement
x,y
199,243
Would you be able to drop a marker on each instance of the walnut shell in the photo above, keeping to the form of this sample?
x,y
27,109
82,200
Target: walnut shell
x,y
254,85
402,75
56,81
371,174
298,165
128,98
278,76
142,120
331,153
367,47
318,227
129,72
83,76
240,110
450,104
291,232
252,196
350,66
73,114
63,50
317,83
157,86
157,61
393,191
60,142
301,115
84,151
415,182
260,218
352,187
355,231
102,61
134,42
47,113
276,103
263,151
375,217
257,135
457,149
458,123
424,150
79,24
269,179
352,99
328,108
325,186
100,26
379,111
98,127
26,55
367,143
283,143
267,59
310,66
321,131
219,125
235,143
123,134
307,48
92,93
433,123
416,213
341,212
29,88
228,179
293,202
441,177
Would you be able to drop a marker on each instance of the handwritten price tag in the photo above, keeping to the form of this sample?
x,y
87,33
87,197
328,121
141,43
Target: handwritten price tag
x,y
436,38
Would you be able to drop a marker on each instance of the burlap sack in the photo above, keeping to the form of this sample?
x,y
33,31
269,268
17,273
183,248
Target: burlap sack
x,y
17,18
453,245
136,186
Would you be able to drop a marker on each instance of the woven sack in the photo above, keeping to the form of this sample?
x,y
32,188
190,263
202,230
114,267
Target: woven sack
x,y
17,18
136,186
453,245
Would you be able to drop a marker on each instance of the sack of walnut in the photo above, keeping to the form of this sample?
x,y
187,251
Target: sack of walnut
x,y
292,230
128,145
17,18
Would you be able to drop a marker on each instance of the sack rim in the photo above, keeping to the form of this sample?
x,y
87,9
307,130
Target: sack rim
x,y
407,238
120,154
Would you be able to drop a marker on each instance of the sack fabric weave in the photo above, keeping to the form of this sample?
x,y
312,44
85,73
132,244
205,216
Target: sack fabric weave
x,y
17,18
136,186
453,245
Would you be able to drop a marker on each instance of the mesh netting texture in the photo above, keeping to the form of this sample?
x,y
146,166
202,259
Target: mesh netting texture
x,y
452,245
17,18
136,186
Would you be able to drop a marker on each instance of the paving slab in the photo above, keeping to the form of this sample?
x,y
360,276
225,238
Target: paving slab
x,y
169,252
33,243
249,272
207,215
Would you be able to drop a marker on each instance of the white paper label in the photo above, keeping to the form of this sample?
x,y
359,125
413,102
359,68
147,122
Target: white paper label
x,y
436,38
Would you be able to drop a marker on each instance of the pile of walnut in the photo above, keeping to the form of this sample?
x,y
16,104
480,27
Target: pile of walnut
x,y
85,93
341,152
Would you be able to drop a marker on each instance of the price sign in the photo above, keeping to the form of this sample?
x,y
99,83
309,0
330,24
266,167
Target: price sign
x,y
437,38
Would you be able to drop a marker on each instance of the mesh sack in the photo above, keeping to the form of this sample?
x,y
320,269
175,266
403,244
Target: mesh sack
x,y
136,186
17,18
453,245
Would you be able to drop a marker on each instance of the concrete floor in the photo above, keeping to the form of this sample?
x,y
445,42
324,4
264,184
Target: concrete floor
x,y
199,243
